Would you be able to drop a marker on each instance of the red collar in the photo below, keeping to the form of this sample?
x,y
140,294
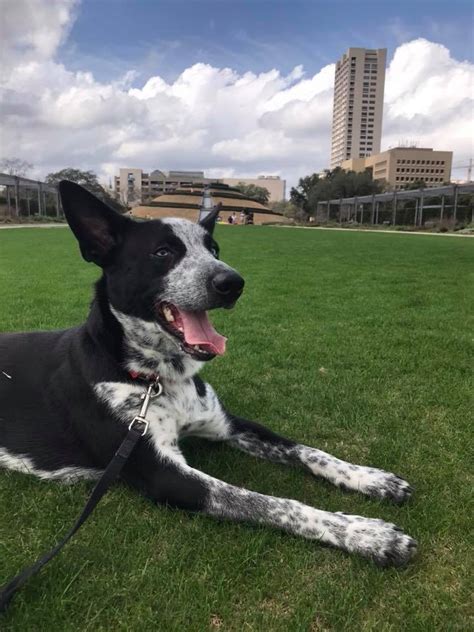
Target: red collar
x,y
150,377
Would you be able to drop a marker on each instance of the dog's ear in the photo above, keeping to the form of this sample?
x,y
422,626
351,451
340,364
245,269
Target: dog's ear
x,y
209,222
97,227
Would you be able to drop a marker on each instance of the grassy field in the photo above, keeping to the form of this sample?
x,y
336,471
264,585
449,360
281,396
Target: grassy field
x,y
355,343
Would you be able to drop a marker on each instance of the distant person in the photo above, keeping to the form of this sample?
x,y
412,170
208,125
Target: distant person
x,y
242,217
230,219
234,218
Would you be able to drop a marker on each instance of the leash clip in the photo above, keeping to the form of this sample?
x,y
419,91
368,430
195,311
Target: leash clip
x,y
154,389
157,387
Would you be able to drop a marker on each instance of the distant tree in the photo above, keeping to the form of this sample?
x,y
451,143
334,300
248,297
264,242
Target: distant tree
x,y
132,196
286,208
87,179
15,166
417,184
254,192
332,184
299,195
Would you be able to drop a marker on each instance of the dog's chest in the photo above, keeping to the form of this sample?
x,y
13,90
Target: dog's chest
x,y
178,411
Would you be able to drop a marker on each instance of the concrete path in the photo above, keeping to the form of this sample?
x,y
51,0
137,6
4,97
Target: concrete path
x,y
376,230
350,230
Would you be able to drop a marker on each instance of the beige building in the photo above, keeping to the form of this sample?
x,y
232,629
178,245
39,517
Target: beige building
x,y
134,186
358,104
404,165
274,185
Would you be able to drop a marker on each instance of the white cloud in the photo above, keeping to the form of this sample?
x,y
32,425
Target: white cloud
x,y
429,98
424,79
33,30
208,118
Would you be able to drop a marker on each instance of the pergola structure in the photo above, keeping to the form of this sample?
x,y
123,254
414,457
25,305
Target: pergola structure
x,y
16,186
356,207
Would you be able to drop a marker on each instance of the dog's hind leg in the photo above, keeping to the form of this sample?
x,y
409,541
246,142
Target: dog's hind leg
x,y
180,486
262,442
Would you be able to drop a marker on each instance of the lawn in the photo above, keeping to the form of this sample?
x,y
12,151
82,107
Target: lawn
x,y
356,343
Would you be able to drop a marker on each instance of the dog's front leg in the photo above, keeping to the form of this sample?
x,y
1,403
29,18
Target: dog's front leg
x,y
179,485
262,442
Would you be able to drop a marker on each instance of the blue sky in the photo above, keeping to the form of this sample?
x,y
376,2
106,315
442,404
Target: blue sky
x,y
165,36
236,88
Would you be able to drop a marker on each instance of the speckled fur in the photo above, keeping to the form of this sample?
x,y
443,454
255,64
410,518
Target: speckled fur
x,y
187,284
180,412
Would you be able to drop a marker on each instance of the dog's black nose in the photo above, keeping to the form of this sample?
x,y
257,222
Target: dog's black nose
x,y
228,285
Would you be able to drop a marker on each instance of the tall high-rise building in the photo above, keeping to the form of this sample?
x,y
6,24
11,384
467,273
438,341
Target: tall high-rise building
x,y
358,104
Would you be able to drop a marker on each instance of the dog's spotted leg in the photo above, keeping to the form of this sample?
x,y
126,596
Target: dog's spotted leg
x,y
261,442
181,486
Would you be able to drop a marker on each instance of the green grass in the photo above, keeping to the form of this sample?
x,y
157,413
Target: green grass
x,y
388,319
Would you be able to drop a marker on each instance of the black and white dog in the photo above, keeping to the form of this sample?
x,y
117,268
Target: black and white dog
x,y
67,397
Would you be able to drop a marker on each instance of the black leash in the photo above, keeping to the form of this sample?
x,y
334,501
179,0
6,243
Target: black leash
x,y
136,430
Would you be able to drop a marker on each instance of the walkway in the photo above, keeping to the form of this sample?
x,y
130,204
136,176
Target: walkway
x,y
375,230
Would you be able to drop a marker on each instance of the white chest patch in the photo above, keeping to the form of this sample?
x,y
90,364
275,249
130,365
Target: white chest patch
x,y
177,412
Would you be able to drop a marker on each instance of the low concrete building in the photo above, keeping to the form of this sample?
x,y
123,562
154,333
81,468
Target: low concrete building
x,y
275,186
404,165
187,202
133,186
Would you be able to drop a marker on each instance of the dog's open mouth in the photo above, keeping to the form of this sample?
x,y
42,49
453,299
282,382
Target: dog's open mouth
x,y
194,330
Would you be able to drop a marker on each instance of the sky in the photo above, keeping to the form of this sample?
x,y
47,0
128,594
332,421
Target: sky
x,y
235,88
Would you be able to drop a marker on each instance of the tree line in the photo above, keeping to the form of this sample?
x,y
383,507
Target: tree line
x,y
318,187
87,179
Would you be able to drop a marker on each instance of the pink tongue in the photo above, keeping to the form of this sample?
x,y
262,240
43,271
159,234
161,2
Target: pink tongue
x,y
198,330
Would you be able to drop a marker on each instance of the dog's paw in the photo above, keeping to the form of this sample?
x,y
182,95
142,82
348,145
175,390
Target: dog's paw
x,y
382,542
380,484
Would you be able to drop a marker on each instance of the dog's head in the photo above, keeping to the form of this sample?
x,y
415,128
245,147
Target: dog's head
x,y
162,271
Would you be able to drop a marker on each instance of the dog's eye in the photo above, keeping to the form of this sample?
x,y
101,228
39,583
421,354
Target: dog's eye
x,y
162,252
214,252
